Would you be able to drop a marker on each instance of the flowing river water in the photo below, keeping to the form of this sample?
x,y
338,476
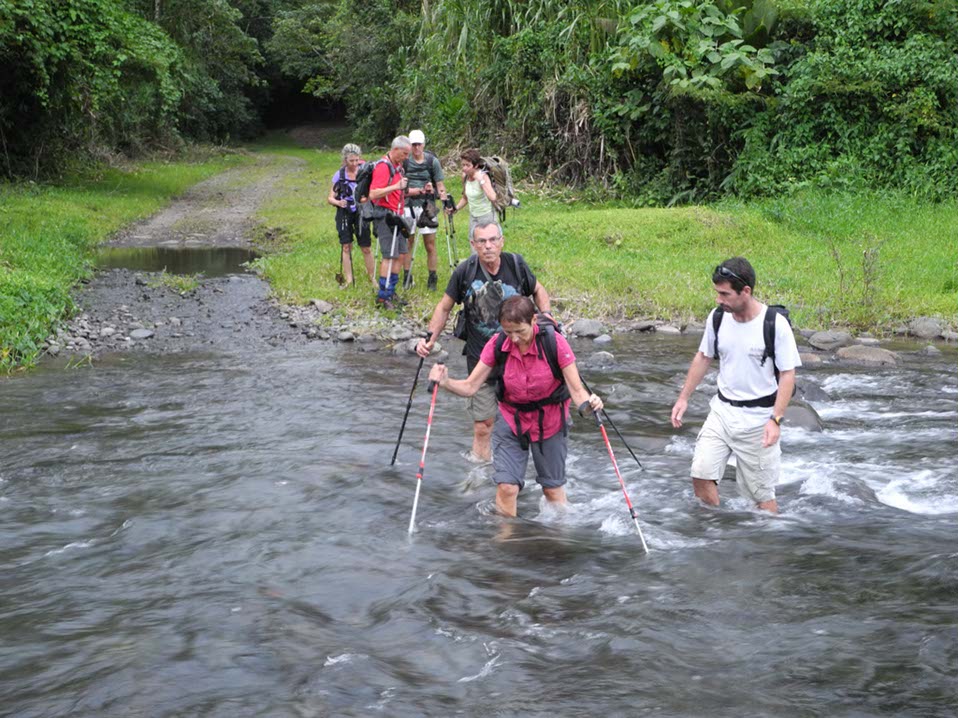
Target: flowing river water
x,y
221,534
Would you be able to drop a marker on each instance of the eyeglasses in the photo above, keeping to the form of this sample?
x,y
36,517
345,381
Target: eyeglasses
x,y
723,271
489,240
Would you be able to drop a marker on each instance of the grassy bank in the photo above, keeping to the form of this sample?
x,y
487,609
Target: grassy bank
x,y
48,235
853,260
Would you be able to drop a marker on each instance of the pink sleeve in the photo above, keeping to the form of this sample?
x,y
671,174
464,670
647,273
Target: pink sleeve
x,y
566,357
488,355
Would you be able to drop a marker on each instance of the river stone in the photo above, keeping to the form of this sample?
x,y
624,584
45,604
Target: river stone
x,y
810,391
643,325
829,340
805,333
107,332
587,328
175,321
399,334
867,356
801,414
930,351
668,329
925,328
601,360
868,341
322,306
366,339
810,360
372,346
602,339
345,336
53,349
949,336
141,333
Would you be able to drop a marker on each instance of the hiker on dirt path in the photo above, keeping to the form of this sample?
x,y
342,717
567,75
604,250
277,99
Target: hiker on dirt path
x,y
348,222
481,284
386,192
477,191
745,416
426,183
533,401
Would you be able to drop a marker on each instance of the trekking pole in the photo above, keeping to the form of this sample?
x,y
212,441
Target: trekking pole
x,y
632,512
408,405
412,260
392,254
434,389
615,429
448,241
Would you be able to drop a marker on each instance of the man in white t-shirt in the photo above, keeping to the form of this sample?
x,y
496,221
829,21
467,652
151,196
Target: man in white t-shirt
x,y
746,415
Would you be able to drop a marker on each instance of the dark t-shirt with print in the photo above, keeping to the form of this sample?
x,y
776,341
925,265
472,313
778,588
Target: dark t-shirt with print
x,y
481,298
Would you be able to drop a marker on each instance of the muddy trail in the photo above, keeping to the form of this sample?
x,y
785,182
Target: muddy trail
x,y
177,281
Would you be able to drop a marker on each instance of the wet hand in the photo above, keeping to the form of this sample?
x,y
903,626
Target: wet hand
x,y
438,373
595,402
423,348
772,433
678,411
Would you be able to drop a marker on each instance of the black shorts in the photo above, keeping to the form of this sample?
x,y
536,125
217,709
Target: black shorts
x,y
348,227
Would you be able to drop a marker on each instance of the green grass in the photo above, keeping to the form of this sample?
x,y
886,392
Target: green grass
x,y
864,261
178,283
48,235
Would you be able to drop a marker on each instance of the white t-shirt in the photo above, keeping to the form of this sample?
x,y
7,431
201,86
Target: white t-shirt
x,y
741,375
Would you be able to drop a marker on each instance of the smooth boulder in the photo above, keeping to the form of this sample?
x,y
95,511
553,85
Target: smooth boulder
x,y
588,328
801,414
867,356
809,391
829,340
925,328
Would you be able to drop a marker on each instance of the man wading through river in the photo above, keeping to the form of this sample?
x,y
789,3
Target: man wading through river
x,y
481,283
746,415
386,192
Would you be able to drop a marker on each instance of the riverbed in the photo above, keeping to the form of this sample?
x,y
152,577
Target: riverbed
x,y
221,534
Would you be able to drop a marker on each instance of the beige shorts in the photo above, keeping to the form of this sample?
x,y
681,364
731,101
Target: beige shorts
x,y
483,406
757,467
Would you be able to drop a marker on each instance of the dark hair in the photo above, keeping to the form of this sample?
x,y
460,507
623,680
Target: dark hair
x,y
742,274
471,156
517,309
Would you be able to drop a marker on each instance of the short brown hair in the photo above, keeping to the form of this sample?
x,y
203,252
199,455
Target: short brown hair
x,y
471,156
517,309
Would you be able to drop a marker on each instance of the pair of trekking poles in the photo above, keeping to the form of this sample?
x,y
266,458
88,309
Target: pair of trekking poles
x,y
434,391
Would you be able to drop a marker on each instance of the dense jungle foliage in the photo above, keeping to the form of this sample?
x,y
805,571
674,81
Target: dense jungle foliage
x,y
657,102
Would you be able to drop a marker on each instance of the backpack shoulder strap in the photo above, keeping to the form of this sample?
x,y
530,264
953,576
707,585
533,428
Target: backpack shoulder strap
x,y
430,163
517,263
549,347
768,333
498,371
716,323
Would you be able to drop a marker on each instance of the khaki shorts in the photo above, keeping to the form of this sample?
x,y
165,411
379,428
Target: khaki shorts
x,y
757,467
483,406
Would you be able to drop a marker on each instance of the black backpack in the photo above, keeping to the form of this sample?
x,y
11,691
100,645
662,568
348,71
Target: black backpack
x,y
768,331
341,186
364,178
546,345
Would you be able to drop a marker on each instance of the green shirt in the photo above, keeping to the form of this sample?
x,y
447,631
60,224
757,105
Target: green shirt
x,y
418,175
479,204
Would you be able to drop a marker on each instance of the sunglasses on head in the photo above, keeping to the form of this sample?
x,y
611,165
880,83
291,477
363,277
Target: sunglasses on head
x,y
723,271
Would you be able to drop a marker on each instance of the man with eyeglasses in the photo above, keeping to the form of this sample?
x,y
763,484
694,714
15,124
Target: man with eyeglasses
x,y
481,284
746,414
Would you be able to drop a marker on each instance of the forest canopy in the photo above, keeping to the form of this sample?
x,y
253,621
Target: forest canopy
x,y
656,102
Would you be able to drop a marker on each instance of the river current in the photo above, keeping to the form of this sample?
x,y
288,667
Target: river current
x,y
222,535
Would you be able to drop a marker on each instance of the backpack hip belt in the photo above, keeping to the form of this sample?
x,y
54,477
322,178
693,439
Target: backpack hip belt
x,y
763,401
559,396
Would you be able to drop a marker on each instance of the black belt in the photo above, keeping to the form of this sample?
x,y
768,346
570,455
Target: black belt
x,y
765,401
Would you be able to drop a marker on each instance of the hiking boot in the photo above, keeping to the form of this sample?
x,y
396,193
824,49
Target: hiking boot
x,y
385,304
433,282
398,301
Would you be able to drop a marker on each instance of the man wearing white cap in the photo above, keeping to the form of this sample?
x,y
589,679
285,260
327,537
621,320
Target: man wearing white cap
x,y
426,180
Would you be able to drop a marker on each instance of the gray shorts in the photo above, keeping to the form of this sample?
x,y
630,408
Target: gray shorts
x,y
757,467
384,233
483,406
509,459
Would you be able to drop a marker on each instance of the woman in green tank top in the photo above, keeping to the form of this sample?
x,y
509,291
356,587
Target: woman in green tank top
x,y
477,191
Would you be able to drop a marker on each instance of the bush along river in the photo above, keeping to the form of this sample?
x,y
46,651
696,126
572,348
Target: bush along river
x,y
216,531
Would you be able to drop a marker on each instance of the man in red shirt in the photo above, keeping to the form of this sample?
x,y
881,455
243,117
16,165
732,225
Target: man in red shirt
x,y
386,192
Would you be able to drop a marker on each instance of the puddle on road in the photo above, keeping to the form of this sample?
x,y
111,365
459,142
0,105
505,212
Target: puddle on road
x,y
209,261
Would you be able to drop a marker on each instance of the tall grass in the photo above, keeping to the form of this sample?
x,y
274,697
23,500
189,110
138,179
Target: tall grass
x,y
48,235
859,260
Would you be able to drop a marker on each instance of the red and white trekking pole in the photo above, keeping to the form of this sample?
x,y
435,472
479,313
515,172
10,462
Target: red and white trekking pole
x,y
615,465
434,390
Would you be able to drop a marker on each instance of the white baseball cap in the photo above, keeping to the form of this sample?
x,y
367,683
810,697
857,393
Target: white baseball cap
x,y
416,137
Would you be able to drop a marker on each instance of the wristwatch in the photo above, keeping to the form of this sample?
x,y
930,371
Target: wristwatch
x,y
778,419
